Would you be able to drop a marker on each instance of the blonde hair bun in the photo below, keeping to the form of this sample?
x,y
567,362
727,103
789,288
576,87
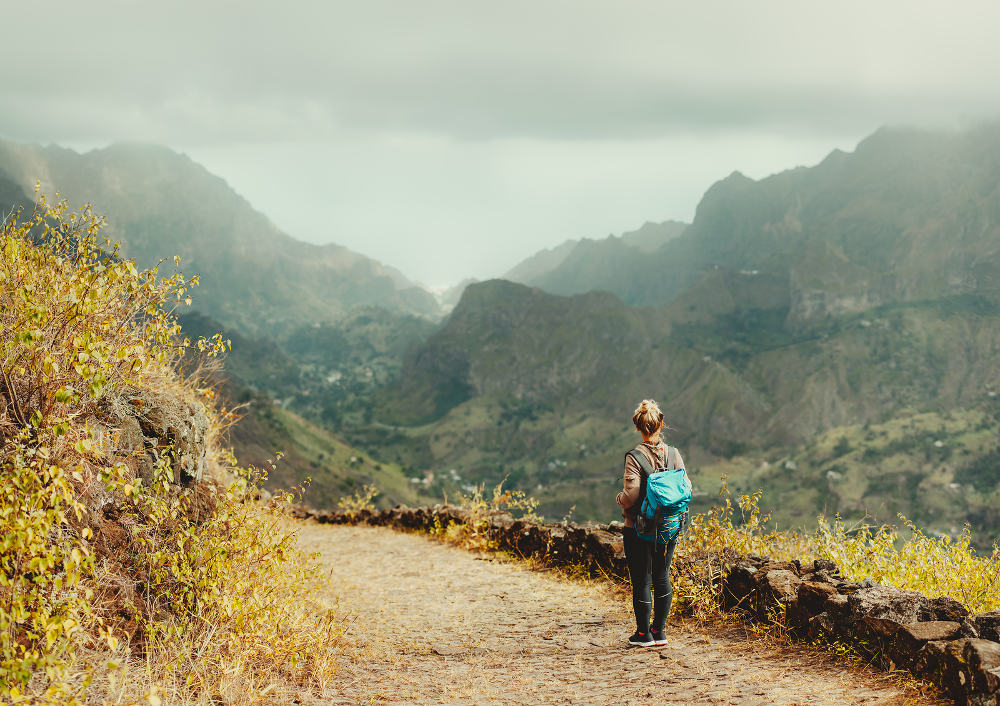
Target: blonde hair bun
x,y
647,417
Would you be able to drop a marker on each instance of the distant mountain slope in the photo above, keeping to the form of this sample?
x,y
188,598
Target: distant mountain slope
x,y
909,215
12,196
539,388
334,467
723,353
834,300
540,263
451,296
262,380
579,266
653,236
511,341
160,203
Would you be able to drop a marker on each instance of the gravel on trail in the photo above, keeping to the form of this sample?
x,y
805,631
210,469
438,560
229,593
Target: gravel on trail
x,y
429,623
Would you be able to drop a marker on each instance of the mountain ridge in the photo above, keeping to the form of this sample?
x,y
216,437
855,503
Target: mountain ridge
x,y
577,266
836,237
254,275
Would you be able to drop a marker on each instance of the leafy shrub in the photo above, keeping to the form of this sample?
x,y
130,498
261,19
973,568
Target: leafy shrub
x,y
934,566
210,591
78,325
361,499
716,537
232,603
475,533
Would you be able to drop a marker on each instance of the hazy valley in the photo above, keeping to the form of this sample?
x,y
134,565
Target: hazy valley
x,y
828,334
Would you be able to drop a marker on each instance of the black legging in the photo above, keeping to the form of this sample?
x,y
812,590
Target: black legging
x,y
649,563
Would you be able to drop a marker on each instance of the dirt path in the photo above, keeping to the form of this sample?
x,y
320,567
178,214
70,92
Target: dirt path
x,y
431,623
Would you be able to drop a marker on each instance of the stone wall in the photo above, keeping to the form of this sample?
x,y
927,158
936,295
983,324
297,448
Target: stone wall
x,y
934,638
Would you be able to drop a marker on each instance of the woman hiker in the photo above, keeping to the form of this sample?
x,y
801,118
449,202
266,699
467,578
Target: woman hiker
x,y
648,562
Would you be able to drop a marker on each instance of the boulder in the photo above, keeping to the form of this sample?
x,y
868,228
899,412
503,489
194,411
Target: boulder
x,y
558,542
929,659
791,566
533,540
781,584
884,602
776,589
982,658
911,638
499,523
604,549
944,608
877,612
988,625
839,612
821,625
969,667
797,618
822,576
827,565
143,427
969,629
738,586
332,517
809,603
880,632
828,576
848,587
814,594
411,519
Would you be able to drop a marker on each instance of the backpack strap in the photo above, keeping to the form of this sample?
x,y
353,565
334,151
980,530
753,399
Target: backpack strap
x,y
671,458
644,471
643,462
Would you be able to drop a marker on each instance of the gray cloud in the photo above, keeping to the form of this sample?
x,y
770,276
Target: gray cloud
x,y
403,114
479,70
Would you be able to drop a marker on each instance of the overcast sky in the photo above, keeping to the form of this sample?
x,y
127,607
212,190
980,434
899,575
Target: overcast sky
x,y
453,138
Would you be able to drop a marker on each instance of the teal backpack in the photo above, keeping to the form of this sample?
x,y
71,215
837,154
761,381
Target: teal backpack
x,y
663,500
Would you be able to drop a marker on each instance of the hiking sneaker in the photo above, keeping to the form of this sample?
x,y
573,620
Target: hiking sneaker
x,y
640,639
658,638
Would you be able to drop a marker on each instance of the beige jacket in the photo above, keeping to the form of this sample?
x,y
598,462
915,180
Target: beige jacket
x,y
657,456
